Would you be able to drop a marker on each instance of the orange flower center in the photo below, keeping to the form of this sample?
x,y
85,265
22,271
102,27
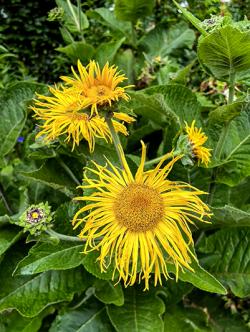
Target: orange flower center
x,y
139,208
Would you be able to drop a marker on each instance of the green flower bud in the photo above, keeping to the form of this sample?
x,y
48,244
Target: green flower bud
x,y
36,219
56,14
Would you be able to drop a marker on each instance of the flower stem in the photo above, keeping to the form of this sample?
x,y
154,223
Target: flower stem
x,y
5,202
64,237
158,159
115,136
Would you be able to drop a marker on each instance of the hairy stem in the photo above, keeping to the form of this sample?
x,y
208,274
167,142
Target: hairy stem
x,y
158,159
64,237
115,137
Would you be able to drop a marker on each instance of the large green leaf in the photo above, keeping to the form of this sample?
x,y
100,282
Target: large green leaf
x,y
236,150
189,320
107,18
131,10
13,322
200,278
153,107
92,265
225,53
229,216
78,50
8,236
180,100
90,319
49,175
13,113
226,113
107,51
228,258
47,288
109,293
162,42
46,256
141,312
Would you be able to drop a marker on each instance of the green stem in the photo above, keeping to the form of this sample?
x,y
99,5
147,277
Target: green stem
x,y
158,159
64,237
115,136
68,170
90,292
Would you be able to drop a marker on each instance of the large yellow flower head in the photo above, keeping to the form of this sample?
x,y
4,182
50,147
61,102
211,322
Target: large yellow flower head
x,y
140,222
66,113
99,86
197,138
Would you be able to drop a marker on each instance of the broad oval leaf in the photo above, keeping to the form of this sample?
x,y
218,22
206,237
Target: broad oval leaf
x,y
141,312
30,298
225,52
131,10
228,258
46,256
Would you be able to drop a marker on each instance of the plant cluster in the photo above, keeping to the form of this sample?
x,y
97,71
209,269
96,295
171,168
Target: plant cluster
x,y
124,187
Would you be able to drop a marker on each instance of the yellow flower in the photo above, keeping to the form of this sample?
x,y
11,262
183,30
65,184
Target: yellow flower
x,y
139,222
197,138
100,87
66,113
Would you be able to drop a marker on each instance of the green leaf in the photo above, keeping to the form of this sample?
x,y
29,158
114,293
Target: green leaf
x,y
92,266
132,10
50,175
152,108
47,288
108,293
8,236
225,53
13,322
89,319
236,150
173,291
141,312
13,113
46,256
125,63
107,51
161,42
71,16
78,50
179,100
107,18
228,258
189,319
229,216
226,113
200,278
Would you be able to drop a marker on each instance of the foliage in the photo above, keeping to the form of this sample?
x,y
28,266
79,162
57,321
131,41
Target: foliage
x,y
182,69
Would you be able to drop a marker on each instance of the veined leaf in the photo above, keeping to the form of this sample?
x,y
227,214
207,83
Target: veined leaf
x,y
226,113
89,319
131,10
46,256
47,288
8,236
141,312
161,42
107,51
78,50
13,113
109,293
225,53
229,258
180,100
